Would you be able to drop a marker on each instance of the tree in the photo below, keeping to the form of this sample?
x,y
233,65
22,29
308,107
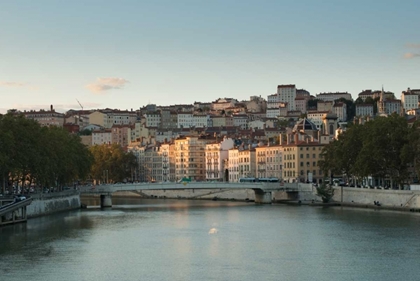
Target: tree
x,y
45,156
111,163
326,192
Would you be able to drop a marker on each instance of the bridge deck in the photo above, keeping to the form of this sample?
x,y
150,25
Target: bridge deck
x,y
110,188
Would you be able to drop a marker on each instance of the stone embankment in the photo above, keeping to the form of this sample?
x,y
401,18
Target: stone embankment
x,y
402,200
49,203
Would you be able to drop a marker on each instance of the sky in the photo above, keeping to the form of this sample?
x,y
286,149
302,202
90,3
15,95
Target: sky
x,y
126,54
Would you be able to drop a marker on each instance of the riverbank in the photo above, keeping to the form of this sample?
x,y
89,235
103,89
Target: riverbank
x,y
50,203
396,200
349,205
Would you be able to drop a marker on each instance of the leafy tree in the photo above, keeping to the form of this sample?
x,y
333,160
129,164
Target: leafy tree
x,y
85,132
326,192
359,100
44,156
312,103
111,163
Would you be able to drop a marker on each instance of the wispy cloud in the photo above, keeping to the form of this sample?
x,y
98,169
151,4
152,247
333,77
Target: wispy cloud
x,y
411,55
107,83
12,84
413,45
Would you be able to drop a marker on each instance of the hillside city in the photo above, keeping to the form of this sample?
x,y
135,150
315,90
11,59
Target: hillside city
x,y
280,137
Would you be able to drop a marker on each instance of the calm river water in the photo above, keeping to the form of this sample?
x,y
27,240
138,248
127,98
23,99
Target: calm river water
x,y
212,240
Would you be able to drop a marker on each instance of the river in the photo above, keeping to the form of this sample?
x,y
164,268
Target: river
x,y
158,239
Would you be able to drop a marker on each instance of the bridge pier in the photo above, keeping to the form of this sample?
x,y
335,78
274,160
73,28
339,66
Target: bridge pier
x,y
106,200
262,197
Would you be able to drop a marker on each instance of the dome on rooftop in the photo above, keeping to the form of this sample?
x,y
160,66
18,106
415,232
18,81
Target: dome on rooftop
x,y
304,125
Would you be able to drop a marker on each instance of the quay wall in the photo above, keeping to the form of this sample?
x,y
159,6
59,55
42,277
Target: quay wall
x,y
405,199
53,203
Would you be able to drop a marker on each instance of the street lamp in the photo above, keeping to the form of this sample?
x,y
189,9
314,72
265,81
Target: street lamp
x,y
105,176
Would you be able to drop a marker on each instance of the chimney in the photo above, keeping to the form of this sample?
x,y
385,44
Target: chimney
x,y
296,137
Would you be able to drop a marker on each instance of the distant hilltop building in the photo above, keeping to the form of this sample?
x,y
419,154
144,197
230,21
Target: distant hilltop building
x,y
410,99
334,96
46,117
388,106
286,94
375,94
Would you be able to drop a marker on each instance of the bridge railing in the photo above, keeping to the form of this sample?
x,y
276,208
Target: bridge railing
x,y
109,188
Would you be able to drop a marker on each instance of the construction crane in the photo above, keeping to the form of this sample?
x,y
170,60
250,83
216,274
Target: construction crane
x,y
79,110
79,104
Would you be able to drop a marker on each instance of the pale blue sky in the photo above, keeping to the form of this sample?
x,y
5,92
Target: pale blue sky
x,y
131,53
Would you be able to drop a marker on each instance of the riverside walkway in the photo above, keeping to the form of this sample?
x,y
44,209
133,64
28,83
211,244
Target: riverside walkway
x,y
12,211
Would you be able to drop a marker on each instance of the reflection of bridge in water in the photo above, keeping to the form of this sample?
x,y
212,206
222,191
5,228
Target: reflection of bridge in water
x,y
263,190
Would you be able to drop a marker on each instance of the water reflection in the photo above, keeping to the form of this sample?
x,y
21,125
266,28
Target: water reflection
x,y
207,240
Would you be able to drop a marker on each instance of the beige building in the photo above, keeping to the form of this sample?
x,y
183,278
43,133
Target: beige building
x,y
223,103
233,160
216,153
190,157
168,162
121,134
46,118
247,163
101,137
101,119
324,105
269,161
301,162
221,121
302,152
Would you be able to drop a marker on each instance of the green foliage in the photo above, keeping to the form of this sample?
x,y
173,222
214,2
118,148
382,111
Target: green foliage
x,y
312,103
43,156
326,192
85,132
111,163
350,108
383,148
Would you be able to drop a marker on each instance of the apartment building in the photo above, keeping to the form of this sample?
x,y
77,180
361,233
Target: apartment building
x,y
190,157
101,137
340,109
247,163
334,96
233,160
168,162
364,110
269,161
152,119
46,118
409,100
185,120
121,134
216,154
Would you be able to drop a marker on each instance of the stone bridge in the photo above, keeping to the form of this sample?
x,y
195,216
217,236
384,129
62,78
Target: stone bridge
x,y
262,189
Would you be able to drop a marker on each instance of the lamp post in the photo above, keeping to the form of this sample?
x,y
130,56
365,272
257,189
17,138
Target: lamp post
x,y
105,176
